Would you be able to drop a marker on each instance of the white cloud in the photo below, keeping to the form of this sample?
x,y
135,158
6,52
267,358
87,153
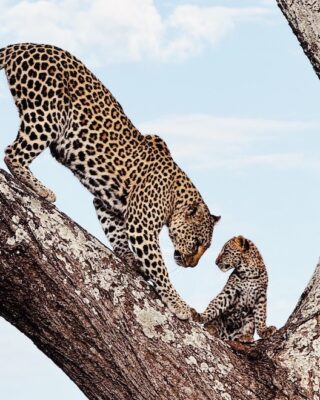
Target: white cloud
x,y
198,27
121,30
205,141
224,128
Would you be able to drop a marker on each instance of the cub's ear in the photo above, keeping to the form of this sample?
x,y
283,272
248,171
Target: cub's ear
x,y
215,218
243,243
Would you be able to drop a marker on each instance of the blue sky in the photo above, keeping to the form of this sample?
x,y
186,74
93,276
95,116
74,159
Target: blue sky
x,y
229,89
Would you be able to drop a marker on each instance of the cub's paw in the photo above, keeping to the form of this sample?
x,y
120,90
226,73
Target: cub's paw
x,y
246,338
267,332
180,309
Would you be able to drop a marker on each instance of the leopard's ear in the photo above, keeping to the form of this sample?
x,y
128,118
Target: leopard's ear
x,y
215,218
243,243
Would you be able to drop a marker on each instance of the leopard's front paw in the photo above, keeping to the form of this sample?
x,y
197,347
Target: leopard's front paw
x,y
50,196
180,309
267,332
46,193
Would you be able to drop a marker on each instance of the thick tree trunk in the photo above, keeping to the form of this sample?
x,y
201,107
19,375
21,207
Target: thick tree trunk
x,y
104,326
304,18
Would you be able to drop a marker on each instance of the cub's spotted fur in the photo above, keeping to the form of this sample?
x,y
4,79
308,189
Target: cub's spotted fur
x,y
241,307
137,186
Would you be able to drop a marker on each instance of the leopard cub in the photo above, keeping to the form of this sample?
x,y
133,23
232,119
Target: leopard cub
x,y
241,307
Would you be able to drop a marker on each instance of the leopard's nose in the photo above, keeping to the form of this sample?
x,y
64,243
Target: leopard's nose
x,y
218,259
178,257
177,254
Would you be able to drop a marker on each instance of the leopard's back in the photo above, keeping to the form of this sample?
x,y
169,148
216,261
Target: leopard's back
x,y
64,106
137,186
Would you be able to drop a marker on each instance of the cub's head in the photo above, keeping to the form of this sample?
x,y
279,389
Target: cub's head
x,y
234,253
190,229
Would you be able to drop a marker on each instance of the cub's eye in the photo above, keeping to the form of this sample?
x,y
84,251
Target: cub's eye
x,y
192,210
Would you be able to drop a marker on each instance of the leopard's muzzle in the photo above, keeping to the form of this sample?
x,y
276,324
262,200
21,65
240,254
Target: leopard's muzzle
x,y
190,260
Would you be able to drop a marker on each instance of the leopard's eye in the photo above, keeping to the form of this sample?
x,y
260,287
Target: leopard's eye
x,y
199,242
192,210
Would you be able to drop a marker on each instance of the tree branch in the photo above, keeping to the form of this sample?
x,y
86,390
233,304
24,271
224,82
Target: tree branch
x,y
97,319
105,327
303,17
295,349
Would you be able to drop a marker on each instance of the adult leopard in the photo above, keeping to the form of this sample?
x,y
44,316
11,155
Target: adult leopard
x,y
137,186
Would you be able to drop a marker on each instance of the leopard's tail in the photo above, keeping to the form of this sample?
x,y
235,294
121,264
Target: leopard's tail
x,y
3,57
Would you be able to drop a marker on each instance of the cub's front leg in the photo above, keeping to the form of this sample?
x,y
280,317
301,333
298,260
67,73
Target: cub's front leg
x,y
263,330
246,332
147,250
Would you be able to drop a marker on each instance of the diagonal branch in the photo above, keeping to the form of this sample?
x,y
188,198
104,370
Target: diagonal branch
x,y
104,326
97,319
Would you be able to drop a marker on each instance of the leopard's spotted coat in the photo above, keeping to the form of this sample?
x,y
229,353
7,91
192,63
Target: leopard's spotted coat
x,y
137,186
241,307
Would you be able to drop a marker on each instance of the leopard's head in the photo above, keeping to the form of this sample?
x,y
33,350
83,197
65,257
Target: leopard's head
x,y
190,229
234,253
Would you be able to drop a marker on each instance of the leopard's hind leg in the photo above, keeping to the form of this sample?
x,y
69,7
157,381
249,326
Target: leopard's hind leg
x,y
32,139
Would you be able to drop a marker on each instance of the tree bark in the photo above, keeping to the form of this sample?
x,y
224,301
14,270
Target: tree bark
x,y
100,322
304,18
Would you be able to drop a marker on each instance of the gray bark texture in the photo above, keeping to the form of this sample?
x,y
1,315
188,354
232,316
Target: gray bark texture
x,y
100,322
304,18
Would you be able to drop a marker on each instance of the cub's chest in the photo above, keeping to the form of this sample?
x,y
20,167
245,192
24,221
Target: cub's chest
x,y
248,292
